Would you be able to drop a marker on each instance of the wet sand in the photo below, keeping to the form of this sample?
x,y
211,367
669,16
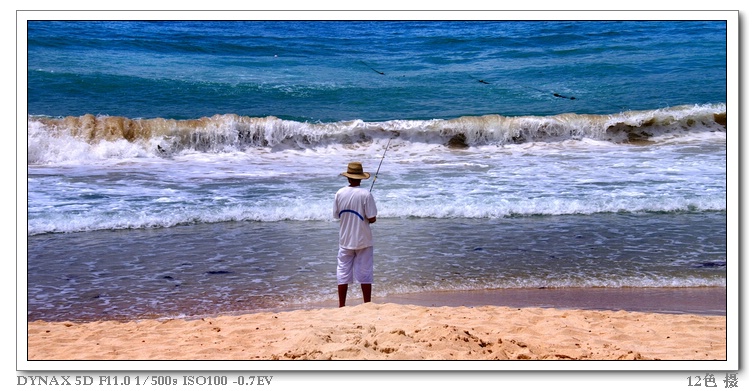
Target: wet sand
x,y
703,301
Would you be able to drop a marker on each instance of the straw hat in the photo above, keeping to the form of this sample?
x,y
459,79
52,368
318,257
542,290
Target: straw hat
x,y
354,171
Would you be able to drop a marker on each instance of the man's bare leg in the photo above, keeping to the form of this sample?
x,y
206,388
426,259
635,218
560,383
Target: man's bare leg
x,y
342,290
367,292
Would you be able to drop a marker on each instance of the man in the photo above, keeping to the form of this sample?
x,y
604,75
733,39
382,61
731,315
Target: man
x,y
355,208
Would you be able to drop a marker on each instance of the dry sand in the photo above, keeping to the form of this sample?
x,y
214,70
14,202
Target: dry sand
x,y
391,331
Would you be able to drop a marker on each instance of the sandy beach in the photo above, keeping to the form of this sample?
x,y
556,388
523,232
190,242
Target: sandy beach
x,y
391,331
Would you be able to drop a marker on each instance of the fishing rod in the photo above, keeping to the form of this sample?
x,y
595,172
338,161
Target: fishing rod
x,y
381,163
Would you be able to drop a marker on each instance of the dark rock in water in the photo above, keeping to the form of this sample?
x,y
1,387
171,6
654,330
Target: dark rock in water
x,y
633,134
458,141
720,118
518,139
219,272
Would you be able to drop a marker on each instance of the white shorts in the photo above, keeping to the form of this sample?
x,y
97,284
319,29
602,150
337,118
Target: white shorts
x,y
354,265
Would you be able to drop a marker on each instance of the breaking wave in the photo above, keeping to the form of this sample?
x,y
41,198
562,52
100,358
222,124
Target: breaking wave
x,y
55,139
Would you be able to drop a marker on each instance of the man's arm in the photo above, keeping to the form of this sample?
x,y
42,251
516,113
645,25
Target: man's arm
x,y
335,207
371,209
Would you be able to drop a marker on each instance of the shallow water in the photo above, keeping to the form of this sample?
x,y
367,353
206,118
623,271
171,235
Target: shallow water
x,y
251,266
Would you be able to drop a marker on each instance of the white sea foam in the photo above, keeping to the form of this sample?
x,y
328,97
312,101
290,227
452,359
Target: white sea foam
x,y
77,184
90,138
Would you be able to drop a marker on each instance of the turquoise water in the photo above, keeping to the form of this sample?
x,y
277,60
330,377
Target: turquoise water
x,y
372,71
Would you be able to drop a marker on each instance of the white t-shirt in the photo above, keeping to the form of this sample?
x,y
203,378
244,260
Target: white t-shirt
x,y
354,206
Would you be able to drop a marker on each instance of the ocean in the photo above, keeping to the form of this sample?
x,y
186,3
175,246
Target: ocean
x,y
188,168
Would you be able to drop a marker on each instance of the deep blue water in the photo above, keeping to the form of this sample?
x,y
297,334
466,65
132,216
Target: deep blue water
x,y
371,70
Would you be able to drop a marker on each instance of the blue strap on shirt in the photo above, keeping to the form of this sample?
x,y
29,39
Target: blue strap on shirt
x,y
350,211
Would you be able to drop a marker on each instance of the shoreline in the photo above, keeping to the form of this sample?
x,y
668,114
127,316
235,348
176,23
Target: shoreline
x,y
709,301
